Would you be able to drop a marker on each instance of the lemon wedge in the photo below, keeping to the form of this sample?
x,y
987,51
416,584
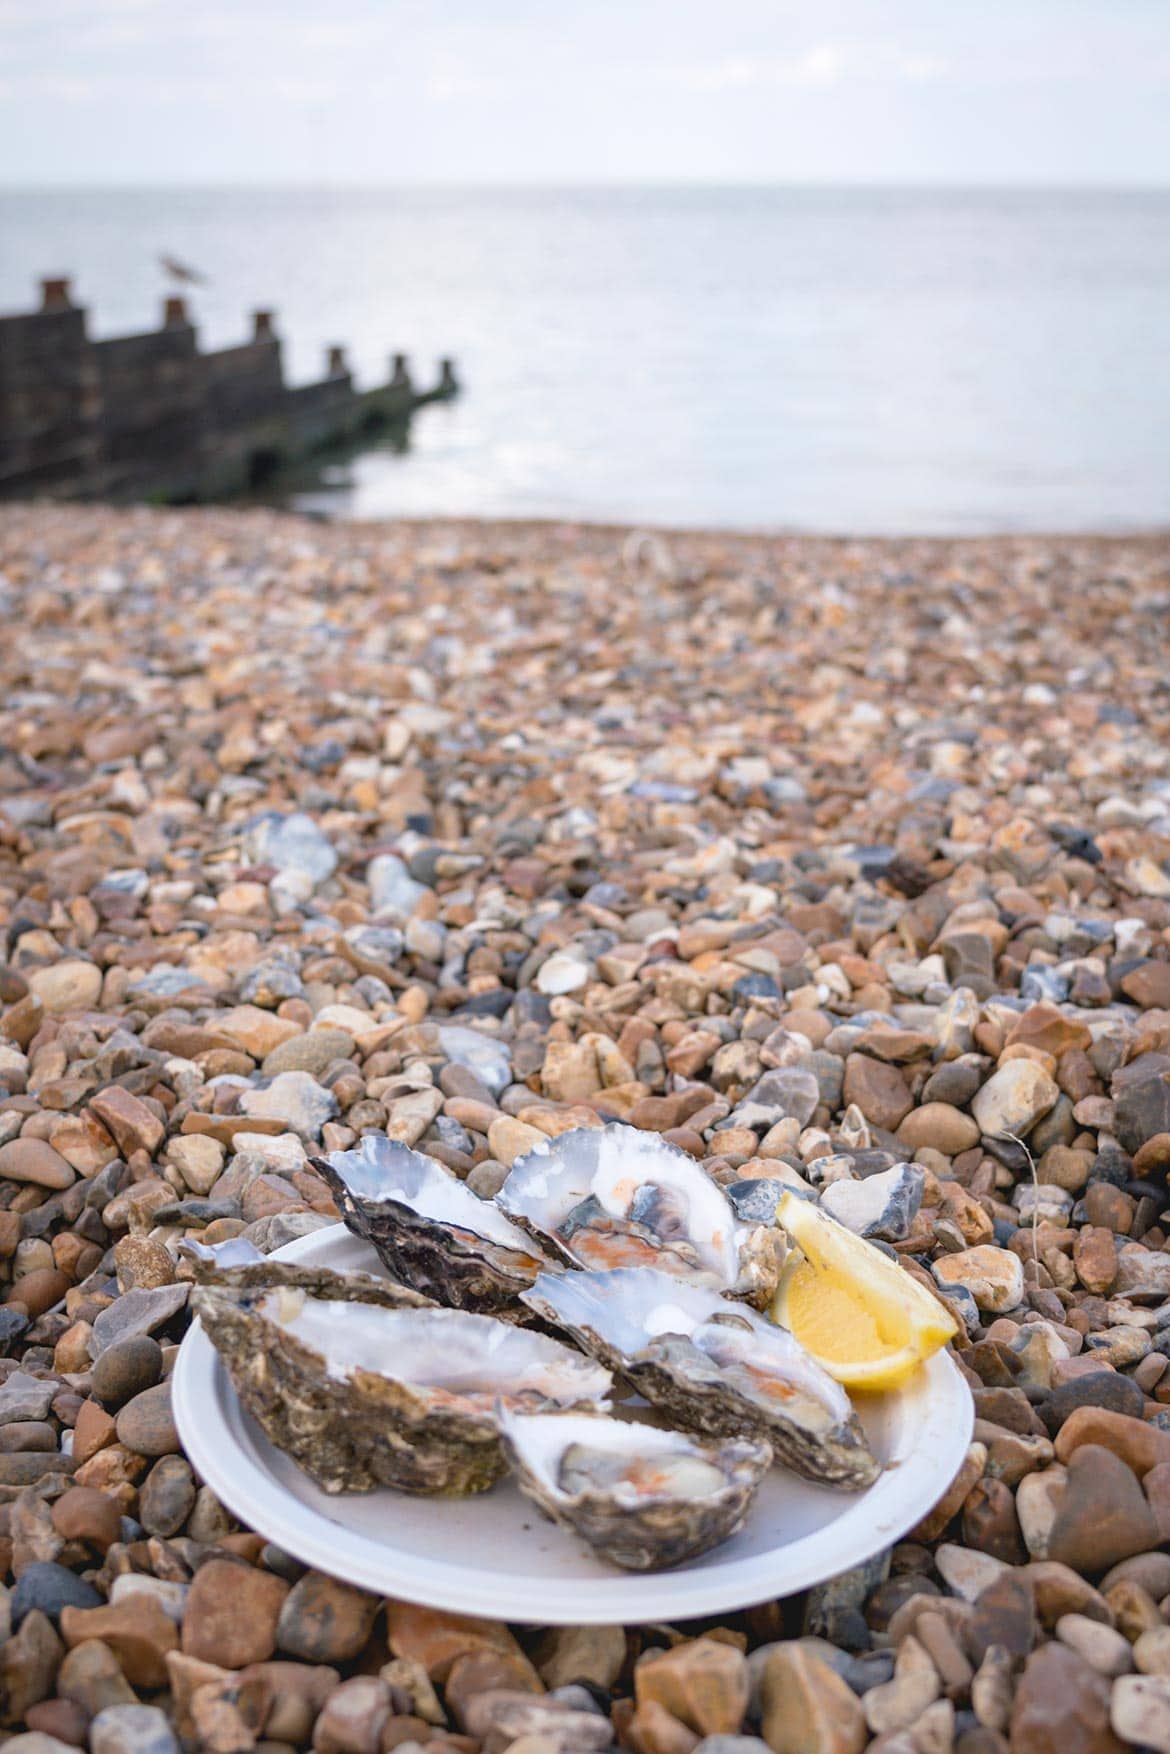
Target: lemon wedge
x,y
870,1324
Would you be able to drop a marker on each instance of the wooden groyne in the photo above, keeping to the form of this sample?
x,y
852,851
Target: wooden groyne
x,y
151,416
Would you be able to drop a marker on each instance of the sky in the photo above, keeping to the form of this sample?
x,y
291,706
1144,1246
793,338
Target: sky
x,y
368,92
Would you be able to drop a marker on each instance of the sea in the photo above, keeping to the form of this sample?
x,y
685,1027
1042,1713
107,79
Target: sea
x,y
833,360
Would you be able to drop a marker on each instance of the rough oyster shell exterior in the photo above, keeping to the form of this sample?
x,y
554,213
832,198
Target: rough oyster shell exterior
x,y
431,1231
353,1428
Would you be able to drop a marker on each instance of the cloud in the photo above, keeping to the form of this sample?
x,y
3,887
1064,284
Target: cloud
x,y
823,64
456,83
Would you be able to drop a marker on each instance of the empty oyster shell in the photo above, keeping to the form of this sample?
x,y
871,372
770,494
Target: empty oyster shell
x,y
642,1497
712,1366
431,1231
236,1265
615,1197
362,1387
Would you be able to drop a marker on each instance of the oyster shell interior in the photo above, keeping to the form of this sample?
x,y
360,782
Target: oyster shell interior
x,y
614,1197
642,1496
381,1168
445,1356
712,1365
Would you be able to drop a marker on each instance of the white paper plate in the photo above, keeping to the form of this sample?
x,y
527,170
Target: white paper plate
x,y
495,1555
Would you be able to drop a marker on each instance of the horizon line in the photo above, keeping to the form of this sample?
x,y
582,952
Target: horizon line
x,y
601,185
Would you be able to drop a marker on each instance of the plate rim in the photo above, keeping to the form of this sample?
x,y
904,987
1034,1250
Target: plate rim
x,y
206,1410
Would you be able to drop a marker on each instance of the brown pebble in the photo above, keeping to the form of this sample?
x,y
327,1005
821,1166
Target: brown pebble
x,y
232,1613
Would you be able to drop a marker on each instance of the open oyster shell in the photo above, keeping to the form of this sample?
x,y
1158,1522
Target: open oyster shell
x,y
612,1197
431,1231
642,1497
235,1265
362,1386
712,1366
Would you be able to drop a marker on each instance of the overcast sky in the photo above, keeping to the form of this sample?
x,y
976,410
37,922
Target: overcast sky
x,y
376,91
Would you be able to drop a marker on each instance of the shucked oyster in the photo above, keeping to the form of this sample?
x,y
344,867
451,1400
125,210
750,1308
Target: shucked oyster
x,y
431,1231
615,1197
363,1388
642,1497
712,1366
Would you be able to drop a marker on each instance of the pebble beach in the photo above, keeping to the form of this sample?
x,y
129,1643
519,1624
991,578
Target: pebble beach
x,y
841,862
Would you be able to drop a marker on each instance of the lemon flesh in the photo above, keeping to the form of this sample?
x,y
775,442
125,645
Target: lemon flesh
x,y
866,1321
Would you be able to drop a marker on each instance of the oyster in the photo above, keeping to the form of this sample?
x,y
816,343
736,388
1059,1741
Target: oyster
x,y
614,1197
712,1366
642,1497
364,1385
431,1231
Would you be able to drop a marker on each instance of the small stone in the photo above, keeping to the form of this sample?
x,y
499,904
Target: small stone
x,y
90,1677
232,1614
1004,1614
133,1125
879,1090
408,1117
83,1514
132,1729
702,1683
353,1718
49,1589
294,1099
650,1730
561,973
509,1139
1140,1445
968,1573
198,1159
993,1276
1014,1098
135,1313
1140,1711
595,1654
1101,1647
127,1368
1061,1706
71,985
806,1708
313,1052
436,1640
29,1661
36,1162
1102,1516
324,1621
139,1632
167,1592
882,1206
63,1725
146,1424
296,1691
142,1261
938,1126
24,1397
896,1704
94,1429
166,1497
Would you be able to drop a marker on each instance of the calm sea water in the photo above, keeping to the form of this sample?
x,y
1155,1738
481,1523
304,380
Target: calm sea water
x,y
861,361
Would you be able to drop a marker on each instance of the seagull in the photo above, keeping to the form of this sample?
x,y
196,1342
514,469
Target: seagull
x,y
179,271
